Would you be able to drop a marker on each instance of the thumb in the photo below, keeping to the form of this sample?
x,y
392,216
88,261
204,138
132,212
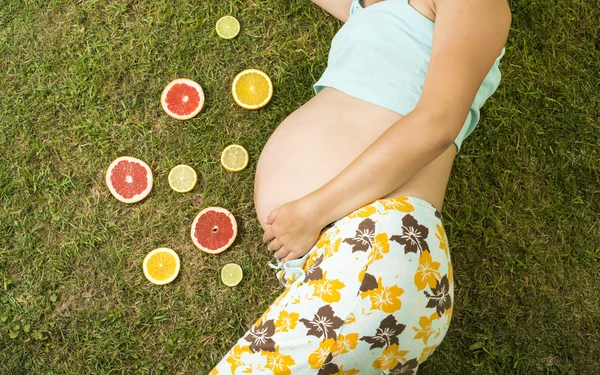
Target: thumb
x,y
272,216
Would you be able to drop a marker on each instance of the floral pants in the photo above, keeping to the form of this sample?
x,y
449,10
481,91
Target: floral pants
x,y
372,296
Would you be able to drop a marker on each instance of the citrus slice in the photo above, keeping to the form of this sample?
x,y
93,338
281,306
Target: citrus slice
x,y
182,99
252,89
234,158
231,274
182,178
161,266
227,27
129,179
214,229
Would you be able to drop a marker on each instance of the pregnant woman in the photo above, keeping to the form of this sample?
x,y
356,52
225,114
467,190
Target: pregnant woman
x,y
349,189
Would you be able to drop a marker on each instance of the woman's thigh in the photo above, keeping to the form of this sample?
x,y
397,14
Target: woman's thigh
x,y
374,294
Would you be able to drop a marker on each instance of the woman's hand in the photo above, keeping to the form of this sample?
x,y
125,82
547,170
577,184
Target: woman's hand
x,y
293,229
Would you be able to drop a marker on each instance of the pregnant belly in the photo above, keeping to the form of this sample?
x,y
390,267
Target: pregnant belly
x,y
317,141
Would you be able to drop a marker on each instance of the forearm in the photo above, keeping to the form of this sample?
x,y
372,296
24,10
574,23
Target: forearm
x,y
340,9
400,152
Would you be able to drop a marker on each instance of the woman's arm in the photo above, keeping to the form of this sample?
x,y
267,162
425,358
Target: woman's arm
x,y
468,37
340,9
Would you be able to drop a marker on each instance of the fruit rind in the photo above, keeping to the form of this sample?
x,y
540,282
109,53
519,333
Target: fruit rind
x,y
186,81
137,197
182,166
244,105
234,169
147,258
233,222
234,265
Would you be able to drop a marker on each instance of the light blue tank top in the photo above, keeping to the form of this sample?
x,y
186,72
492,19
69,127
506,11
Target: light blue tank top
x,y
381,55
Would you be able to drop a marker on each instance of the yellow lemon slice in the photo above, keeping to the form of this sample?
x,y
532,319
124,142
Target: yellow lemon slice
x,y
252,89
161,266
227,27
182,178
234,158
231,274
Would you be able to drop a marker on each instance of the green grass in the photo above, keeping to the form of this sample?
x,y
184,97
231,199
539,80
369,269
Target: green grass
x,y
80,84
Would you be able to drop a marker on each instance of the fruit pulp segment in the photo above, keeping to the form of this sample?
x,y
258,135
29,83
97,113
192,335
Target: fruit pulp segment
x,y
129,178
252,88
162,266
182,99
213,230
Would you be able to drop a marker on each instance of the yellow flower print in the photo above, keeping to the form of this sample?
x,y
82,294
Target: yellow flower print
x,y
381,246
426,352
332,249
351,319
441,236
427,273
364,212
347,372
326,236
398,204
327,289
450,273
318,357
235,356
390,358
386,298
345,343
286,321
426,331
277,362
214,372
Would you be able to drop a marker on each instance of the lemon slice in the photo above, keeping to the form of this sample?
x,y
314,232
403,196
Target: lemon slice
x,y
234,158
227,27
182,178
161,266
252,89
231,274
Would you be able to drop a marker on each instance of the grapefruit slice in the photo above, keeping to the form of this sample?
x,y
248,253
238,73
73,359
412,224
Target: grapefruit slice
x,y
214,229
182,99
231,274
252,89
129,179
234,158
161,266
227,27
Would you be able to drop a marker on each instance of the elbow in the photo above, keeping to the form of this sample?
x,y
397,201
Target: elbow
x,y
443,125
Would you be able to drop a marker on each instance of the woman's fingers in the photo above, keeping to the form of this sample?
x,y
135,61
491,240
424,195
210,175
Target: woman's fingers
x,y
274,245
268,235
281,253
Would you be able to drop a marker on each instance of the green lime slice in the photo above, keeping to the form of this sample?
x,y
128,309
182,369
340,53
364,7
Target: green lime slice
x,y
227,27
231,274
182,178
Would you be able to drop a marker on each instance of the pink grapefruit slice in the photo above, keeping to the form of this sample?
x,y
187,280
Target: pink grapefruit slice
x,y
182,99
214,230
129,179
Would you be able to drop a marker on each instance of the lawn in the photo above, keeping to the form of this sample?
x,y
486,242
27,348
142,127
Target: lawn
x,y
80,83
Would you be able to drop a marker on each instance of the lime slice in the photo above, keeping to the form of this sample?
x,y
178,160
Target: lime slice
x,y
182,178
227,27
231,274
234,158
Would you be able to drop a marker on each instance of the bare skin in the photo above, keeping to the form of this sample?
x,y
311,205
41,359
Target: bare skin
x,y
319,139
336,154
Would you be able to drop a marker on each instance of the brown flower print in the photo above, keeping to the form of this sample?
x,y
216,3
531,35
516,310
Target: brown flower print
x,y
363,239
406,368
323,324
413,235
369,283
387,333
314,272
440,297
328,367
260,337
